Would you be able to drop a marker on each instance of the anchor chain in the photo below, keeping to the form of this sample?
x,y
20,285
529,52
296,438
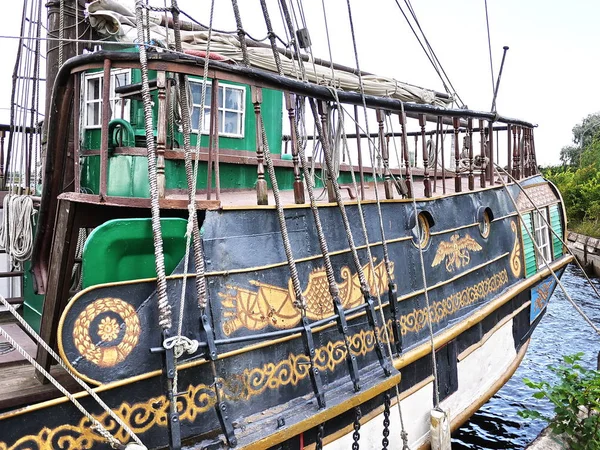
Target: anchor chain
x,y
319,440
385,442
356,434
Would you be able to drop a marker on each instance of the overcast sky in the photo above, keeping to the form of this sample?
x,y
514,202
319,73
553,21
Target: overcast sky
x,y
550,76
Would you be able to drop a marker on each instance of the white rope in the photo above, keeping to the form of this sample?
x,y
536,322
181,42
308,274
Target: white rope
x,y
543,258
96,424
16,230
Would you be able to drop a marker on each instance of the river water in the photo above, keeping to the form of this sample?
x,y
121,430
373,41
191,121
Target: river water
x,y
562,331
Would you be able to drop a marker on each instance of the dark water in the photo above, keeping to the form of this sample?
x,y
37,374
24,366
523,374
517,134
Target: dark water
x,y
561,332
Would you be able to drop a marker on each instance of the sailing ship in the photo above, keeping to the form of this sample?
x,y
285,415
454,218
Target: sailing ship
x,y
242,282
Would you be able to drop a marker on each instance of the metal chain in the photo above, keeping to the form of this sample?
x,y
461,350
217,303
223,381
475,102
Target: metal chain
x,y
385,442
319,440
356,434
163,302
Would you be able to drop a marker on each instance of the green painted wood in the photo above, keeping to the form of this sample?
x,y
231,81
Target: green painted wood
x,y
528,247
556,224
32,302
123,249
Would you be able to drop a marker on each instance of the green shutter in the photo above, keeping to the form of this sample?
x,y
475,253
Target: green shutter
x,y
557,227
528,247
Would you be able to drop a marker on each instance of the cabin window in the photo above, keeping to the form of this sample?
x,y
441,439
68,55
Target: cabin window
x,y
542,236
92,97
231,109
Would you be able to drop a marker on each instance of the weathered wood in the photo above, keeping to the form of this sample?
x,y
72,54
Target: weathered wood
x,y
105,120
181,202
387,177
457,180
298,183
262,197
404,145
323,107
59,275
76,137
359,152
161,132
482,146
213,135
426,181
470,142
491,168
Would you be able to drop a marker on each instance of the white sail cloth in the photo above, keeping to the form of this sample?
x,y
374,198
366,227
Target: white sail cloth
x,y
116,20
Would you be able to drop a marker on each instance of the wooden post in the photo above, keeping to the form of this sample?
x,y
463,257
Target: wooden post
x,y
438,130
533,154
76,136
509,155
262,197
1,158
104,135
482,153
521,156
404,143
387,177
290,100
516,162
62,257
426,180
491,151
457,178
359,150
322,107
470,143
213,134
161,132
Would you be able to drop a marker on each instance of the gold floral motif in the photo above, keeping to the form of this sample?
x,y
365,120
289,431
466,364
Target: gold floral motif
x,y
198,399
274,305
515,254
108,330
543,292
418,318
456,252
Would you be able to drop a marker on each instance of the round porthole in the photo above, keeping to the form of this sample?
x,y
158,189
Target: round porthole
x,y
485,224
420,232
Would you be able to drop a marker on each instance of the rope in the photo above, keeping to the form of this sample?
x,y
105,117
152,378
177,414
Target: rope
x,y
181,343
61,31
16,229
241,33
424,279
537,248
559,237
163,302
96,425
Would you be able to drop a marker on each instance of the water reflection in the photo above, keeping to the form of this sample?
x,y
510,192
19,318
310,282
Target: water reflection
x,y
561,332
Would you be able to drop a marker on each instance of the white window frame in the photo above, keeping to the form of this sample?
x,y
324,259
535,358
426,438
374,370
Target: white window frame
x,y
541,233
241,112
115,111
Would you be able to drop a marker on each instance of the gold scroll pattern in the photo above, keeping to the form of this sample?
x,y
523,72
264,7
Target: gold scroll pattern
x,y
515,254
455,252
143,416
543,292
274,305
198,399
439,310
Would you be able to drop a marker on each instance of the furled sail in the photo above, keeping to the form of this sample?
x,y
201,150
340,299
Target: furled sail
x,y
115,20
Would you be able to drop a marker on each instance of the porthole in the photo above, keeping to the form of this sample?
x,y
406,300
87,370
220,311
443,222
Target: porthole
x,y
420,232
485,224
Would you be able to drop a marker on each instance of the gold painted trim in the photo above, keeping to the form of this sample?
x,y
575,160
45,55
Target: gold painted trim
x,y
321,416
451,230
480,314
411,356
466,352
374,413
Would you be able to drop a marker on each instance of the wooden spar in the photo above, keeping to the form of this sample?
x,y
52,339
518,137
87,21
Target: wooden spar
x,y
359,150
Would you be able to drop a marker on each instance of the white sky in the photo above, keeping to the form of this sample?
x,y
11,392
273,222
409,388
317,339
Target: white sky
x,y
551,71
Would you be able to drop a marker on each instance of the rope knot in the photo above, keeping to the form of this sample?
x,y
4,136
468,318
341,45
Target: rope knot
x,y
181,345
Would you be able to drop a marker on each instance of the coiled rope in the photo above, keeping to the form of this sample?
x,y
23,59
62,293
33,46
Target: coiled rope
x,y
16,229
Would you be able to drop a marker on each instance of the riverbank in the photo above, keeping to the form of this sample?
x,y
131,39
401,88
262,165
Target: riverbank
x,y
587,251
548,441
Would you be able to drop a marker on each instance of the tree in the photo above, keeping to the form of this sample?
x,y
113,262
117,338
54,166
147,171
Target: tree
x,y
584,134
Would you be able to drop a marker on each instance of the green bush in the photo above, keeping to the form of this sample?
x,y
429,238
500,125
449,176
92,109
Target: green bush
x,y
576,400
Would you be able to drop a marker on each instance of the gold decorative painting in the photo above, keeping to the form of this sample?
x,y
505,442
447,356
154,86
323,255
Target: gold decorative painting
x,y
515,254
455,253
271,305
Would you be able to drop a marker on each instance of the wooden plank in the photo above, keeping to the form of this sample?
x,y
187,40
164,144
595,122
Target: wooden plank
x,y
59,273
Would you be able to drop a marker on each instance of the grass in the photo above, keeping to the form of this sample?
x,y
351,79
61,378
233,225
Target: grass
x,y
587,228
